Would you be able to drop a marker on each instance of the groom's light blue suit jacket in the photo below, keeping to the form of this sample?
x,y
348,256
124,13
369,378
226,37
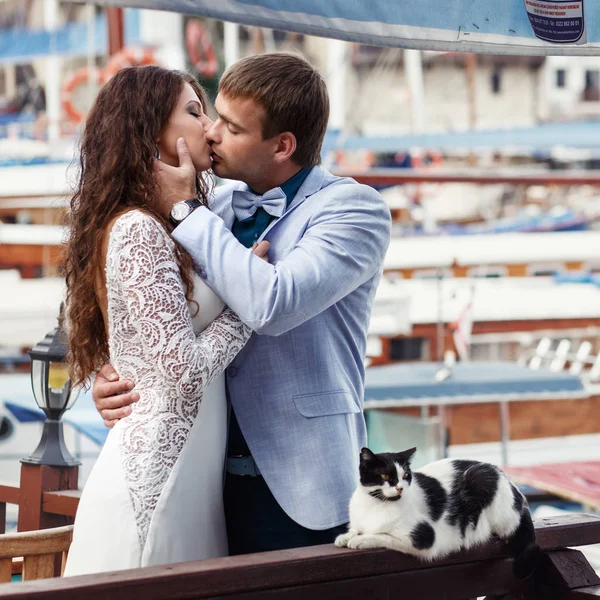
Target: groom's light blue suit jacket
x,y
297,386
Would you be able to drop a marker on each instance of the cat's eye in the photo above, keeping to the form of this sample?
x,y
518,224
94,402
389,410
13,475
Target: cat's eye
x,y
385,477
405,476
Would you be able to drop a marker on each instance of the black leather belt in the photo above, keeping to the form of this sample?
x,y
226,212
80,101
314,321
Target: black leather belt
x,y
242,465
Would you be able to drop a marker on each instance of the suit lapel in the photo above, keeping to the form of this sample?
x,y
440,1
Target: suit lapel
x,y
313,183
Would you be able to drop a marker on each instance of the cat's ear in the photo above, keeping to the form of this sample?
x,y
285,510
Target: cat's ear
x,y
406,456
366,455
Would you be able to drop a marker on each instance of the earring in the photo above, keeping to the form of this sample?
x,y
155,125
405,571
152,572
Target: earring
x,y
157,153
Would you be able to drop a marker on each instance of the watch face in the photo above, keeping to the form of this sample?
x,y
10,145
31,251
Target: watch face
x,y
180,211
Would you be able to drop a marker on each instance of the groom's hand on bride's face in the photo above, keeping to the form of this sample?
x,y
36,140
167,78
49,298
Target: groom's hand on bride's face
x,y
112,396
175,184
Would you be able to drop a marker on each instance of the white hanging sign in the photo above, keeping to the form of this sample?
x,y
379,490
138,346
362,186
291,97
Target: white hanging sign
x,y
557,21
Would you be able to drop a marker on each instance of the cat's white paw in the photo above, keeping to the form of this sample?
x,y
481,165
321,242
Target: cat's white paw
x,y
341,541
364,541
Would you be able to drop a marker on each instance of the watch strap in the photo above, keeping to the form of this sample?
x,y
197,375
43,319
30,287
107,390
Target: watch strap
x,y
193,204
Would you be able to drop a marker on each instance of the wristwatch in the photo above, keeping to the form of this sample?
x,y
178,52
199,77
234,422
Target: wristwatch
x,y
181,210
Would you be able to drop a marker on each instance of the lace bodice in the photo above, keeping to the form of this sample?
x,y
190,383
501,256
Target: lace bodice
x,y
152,342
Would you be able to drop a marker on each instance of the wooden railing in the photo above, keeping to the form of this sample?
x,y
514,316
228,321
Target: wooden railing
x,y
327,572
46,497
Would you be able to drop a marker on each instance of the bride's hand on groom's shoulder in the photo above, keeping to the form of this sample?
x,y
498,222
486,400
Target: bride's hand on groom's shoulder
x,y
175,184
113,396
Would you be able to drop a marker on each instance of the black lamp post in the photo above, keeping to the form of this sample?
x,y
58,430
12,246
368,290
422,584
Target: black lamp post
x,y
54,395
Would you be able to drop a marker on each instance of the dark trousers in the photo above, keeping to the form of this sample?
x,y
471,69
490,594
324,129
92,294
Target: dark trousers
x,y
256,522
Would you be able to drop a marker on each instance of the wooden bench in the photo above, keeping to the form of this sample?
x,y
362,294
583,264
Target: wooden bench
x,y
327,572
36,554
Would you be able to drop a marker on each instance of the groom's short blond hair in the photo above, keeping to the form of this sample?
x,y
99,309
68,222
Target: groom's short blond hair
x,y
293,94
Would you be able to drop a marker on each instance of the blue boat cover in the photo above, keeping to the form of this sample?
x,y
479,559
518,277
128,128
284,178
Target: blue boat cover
x,y
538,141
494,26
416,380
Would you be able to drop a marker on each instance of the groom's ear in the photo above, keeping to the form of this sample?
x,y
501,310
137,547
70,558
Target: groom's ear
x,y
285,146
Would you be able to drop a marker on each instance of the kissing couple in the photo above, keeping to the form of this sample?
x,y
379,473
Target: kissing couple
x,y
226,328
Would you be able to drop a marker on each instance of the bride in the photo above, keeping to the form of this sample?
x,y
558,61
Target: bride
x,y
154,495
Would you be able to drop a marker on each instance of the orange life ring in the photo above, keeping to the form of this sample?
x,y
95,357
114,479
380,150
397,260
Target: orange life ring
x,y
200,48
80,77
128,57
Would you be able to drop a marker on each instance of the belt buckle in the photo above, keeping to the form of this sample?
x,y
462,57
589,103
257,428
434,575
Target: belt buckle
x,y
247,468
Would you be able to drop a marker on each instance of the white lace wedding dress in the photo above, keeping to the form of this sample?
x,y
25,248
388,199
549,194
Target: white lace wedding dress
x,y
154,495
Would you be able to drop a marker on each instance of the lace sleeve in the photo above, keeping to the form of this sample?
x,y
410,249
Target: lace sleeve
x,y
142,268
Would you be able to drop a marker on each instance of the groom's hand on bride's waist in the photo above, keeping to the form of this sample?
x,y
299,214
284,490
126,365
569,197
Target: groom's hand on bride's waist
x,y
112,396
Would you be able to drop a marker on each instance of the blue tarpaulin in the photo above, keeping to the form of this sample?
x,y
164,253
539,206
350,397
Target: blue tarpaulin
x,y
493,26
417,380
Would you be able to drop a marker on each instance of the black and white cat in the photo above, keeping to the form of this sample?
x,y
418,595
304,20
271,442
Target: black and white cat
x,y
443,507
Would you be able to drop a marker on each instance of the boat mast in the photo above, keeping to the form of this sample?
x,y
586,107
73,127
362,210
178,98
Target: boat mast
x,y
53,67
231,35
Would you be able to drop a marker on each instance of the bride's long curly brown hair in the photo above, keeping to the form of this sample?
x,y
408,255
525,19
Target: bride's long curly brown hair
x,y
118,147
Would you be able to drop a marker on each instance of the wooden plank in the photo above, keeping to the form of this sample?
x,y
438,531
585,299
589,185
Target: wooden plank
x,y
9,493
44,541
568,569
453,582
35,481
38,566
456,582
64,502
5,569
287,568
578,529
561,572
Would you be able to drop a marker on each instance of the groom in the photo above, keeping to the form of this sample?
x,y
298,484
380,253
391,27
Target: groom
x,y
296,389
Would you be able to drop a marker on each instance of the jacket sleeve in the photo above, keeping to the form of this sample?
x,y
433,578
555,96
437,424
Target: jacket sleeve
x,y
343,246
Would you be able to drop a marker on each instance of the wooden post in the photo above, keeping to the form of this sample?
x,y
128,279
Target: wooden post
x,y
471,71
562,573
35,480
116,34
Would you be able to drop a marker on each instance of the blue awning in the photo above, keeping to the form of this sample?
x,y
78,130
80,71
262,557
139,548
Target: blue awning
x,y
417,380
498,27
20,45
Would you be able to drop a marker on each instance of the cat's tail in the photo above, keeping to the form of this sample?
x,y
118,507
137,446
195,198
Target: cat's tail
x,y
524,548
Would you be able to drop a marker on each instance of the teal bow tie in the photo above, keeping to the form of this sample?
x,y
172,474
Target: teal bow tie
x,y
245,203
